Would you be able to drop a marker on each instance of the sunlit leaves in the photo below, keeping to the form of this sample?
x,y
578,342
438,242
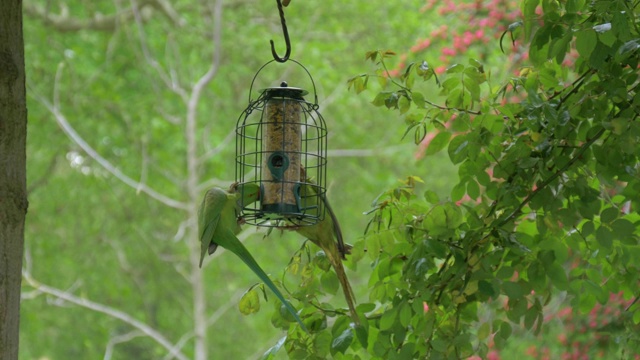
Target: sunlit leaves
x,y
547,171
250,302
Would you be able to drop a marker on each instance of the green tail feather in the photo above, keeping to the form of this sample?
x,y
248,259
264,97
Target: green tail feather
x,y
237,248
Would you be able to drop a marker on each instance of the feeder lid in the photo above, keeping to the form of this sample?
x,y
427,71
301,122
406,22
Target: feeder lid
x,y
284,91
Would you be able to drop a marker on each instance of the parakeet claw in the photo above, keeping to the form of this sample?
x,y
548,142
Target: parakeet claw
x,y
212,248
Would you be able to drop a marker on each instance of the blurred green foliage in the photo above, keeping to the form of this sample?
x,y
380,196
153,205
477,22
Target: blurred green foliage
x,y
480,175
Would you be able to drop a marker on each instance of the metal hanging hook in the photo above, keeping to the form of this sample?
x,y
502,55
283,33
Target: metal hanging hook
x,y
286,36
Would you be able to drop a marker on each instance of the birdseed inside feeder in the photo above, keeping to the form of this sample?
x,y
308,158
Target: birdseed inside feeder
x,y
281,146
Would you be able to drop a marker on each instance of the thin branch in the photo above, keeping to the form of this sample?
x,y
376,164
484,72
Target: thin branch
x,y
224,308
114,313
144,168
211,153
63,22
169,81
75,137
108,352
44,178
70,131
555,175
190,135
366,152
212,320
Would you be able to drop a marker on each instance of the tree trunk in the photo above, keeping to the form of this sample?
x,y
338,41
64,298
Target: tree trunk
x,y
13,196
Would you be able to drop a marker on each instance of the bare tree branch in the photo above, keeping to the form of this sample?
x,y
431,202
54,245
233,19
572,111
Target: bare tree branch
x,y
44,178
197,280
212,320
391,150
108,352
169,81
75,137
63,22
223,144
120,315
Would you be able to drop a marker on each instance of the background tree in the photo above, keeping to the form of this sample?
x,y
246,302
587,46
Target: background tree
x,y
541,215
13,194
114,152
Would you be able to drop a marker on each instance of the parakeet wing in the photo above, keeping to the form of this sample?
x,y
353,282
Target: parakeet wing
x,y
209,215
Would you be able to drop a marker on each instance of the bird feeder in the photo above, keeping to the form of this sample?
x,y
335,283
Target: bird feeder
x,y
281,146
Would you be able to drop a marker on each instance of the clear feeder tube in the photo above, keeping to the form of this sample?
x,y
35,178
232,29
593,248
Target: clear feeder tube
x,y
281,156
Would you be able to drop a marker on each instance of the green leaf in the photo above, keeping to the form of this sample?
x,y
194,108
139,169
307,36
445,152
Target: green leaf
x,y
558,276
455,68
636,317
530,317
388,319
271,353
329,281
362,335
486,288
513,289
455,98
505,330
443,218
450,83
473,87
473,190
373,246
379,100
404,104
405,315
438,142
588,228
342,342
609,214
458,147
484,331
586,42
431,197
418,99
623,228
604,237
574,6
250,302
537,275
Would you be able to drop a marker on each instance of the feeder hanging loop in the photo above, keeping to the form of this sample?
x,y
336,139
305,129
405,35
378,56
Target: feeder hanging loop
x,y
286,37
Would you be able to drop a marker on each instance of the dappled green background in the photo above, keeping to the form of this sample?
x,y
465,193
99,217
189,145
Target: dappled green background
x,y
91,235
122,146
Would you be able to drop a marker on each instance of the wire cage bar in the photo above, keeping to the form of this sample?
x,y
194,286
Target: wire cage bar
x,y
281,145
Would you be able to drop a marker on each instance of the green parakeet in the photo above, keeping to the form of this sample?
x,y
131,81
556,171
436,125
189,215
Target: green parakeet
x,y
323,234
218,225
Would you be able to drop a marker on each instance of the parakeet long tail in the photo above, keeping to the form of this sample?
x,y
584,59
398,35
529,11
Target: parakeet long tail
x,y
336,262
237,248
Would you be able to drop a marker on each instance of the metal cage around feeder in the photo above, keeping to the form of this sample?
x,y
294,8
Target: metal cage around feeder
x,y
281,145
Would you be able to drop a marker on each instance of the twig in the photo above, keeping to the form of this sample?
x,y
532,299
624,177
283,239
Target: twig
x,y
120,315
108,352
75,137
551,178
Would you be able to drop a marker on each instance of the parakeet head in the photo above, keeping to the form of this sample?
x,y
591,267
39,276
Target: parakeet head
x,y
246,193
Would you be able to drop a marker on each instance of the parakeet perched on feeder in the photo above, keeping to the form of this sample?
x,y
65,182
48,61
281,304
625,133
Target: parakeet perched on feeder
x,y
218,225
327,235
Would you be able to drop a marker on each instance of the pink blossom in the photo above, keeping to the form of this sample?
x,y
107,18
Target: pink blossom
x,y
448,51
